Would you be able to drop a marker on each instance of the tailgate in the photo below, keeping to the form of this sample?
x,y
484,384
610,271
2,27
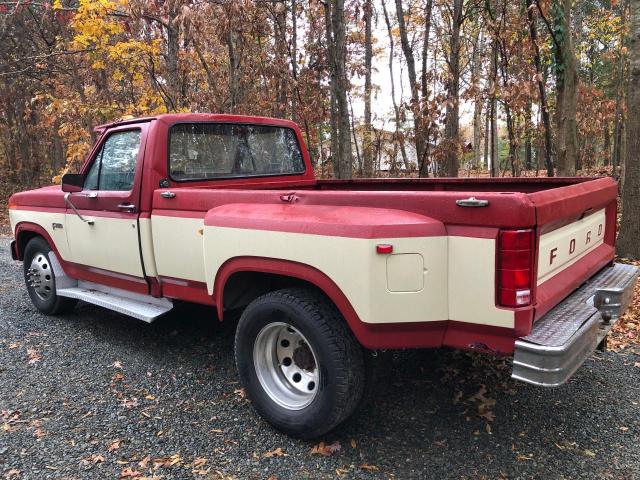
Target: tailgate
x,y
576,237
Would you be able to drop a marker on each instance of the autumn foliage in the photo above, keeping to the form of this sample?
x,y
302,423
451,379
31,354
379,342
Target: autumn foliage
x,y
467,89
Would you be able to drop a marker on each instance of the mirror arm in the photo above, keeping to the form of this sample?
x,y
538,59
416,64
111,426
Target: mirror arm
x,y
67,200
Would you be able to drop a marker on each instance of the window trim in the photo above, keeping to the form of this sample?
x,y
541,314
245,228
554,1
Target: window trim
x,y
234,177
100,153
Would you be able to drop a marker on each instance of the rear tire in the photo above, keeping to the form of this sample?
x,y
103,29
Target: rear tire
x,y
40,279
299,362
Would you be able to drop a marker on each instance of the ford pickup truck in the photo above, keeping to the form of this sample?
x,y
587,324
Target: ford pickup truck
x,y
225,211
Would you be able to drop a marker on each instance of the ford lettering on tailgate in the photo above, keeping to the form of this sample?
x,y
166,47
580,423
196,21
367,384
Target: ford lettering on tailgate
x,y
562,247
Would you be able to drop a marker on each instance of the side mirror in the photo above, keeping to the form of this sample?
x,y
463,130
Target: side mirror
x,y
72,182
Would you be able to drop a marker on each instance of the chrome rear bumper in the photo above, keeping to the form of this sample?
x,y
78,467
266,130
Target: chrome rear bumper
x,y
565,337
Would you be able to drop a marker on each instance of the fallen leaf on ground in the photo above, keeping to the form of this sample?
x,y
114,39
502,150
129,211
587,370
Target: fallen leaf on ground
x,y
198,462
116,364
144,463
278,452
33,356
129,402
522,457
113,446
484,404
353,443
201,471
326,450
130,473
589,453
240,392
97,458
166,461
370,468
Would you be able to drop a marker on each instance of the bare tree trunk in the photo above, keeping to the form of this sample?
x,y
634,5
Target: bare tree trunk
x,y
567,93
533,34
629,238
606,149
396,109
618,119
513,141
294,63
281,53
368,53
423,165
452,115
493,112
173,48
342,85
234,63
416,108
476,66
333,102
355,137
424,79
487,136
528,128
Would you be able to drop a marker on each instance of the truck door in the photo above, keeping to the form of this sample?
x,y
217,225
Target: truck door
x,y
102,219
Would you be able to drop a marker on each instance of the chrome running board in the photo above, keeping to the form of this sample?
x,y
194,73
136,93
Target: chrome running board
x,y
142,307
136,305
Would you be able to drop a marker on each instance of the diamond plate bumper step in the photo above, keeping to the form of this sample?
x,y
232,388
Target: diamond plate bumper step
x,y
565,337
142,307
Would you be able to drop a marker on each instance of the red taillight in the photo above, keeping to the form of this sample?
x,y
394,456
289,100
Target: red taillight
x,y
515,267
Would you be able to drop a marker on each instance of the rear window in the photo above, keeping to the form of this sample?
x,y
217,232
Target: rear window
x,y
203,151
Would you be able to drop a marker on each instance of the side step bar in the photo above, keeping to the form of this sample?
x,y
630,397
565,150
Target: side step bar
x,y
142,307
565,337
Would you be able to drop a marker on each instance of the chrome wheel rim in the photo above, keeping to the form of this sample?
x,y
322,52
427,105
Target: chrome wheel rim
x,y
40,276
286,366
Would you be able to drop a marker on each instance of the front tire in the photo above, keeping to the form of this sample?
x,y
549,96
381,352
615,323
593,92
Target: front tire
x,y
298,361
40,279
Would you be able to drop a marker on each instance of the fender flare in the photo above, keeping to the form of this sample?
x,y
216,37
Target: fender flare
x,y
31,227
292,269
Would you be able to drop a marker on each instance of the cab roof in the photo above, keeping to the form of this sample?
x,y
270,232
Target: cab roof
x,y
171,118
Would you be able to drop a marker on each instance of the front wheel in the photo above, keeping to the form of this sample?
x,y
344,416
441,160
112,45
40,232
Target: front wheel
x,y
299,362
40,279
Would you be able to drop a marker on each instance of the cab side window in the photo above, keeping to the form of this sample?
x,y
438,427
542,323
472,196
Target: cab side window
x,y
115,164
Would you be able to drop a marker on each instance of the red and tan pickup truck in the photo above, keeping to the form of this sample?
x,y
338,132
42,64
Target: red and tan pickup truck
x,y
225,211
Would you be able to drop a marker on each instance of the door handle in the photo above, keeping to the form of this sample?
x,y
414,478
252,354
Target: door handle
x,y
128,207
168,195
472,202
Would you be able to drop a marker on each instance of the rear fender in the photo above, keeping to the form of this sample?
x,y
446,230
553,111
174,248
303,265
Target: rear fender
x,y
335,248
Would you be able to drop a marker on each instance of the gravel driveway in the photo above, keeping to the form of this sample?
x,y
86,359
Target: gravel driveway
x,y
96,395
